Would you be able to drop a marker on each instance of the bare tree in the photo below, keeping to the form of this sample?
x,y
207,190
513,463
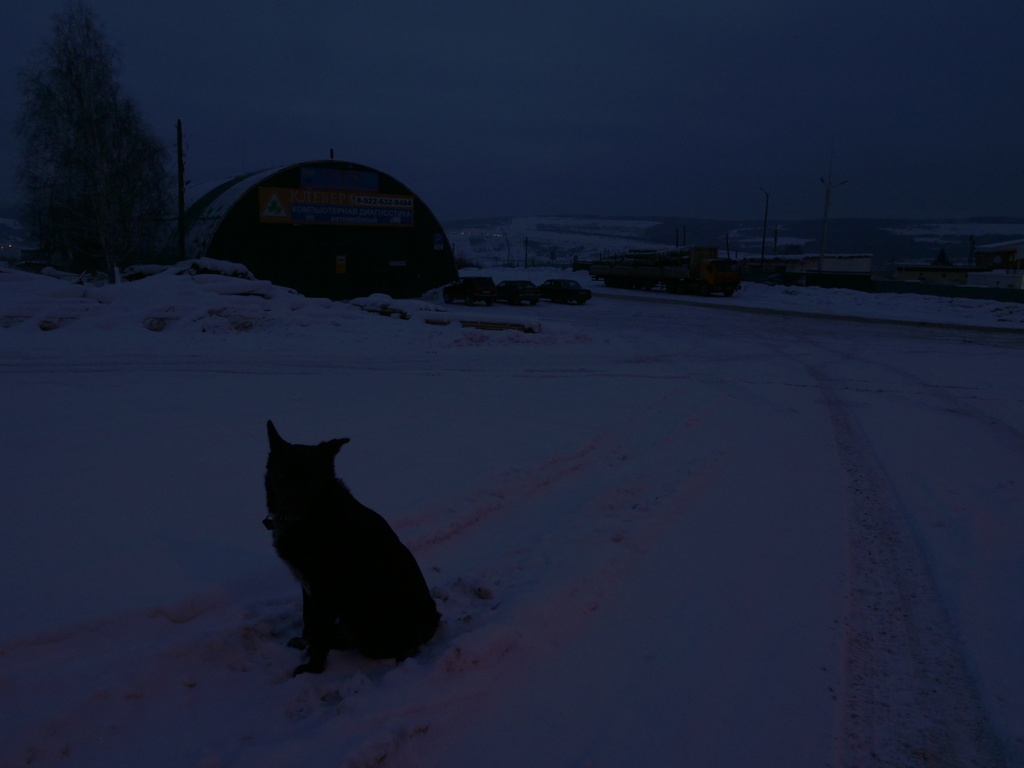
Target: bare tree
x,y
93,176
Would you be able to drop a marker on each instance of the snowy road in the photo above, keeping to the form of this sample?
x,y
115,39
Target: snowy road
x,y
659,535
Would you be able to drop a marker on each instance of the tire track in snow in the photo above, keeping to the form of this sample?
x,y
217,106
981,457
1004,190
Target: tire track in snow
x,y
607,455
534,608
589,498
907,697
952,399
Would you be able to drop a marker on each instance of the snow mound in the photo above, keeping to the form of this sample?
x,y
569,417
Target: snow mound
x,y
200,295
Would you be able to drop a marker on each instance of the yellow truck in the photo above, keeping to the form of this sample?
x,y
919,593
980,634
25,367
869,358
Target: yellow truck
x,y
697,269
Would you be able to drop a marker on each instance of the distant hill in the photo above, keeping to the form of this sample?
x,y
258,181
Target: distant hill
x,y
559,239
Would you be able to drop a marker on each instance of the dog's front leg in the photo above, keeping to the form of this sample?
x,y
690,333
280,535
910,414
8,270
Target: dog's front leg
x,y
317,624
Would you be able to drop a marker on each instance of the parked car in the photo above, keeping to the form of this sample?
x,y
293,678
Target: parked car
x,y
565,292
470,290
518,291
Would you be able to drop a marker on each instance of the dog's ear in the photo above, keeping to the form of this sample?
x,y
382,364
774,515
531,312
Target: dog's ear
x,y
334,445
275,439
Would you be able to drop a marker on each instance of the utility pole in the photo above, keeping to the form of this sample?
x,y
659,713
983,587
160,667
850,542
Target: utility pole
x,y
181,195
829,186
764,229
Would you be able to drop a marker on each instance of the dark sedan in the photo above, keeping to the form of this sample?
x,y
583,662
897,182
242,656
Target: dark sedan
x,y
517,292
470,290
565,292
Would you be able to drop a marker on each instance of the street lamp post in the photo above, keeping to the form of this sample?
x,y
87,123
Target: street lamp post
x,y
829,186
181,195
764,229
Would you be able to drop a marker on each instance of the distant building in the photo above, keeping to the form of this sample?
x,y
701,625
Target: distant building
x,y
325,228
1008,255
997,279
10,253
930,273
845,263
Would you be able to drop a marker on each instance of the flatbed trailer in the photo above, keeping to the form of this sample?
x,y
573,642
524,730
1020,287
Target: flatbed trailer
x,y
692,270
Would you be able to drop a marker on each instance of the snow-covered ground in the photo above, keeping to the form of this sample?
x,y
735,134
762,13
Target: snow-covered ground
x,y
661,532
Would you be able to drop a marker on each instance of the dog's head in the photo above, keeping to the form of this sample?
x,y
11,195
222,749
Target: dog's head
x,y
295,474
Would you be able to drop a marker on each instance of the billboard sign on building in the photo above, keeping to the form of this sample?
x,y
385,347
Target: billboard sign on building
x,y
335,205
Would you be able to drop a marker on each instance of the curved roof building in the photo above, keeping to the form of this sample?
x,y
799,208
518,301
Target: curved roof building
x,y
325,228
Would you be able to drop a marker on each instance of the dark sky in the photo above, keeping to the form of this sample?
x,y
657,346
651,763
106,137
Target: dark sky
x,y
606,108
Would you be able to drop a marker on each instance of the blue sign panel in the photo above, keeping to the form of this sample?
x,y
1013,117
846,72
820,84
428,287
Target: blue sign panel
x,y
335,178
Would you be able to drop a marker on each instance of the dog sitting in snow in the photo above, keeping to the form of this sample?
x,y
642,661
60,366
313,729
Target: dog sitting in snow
x,y
359,582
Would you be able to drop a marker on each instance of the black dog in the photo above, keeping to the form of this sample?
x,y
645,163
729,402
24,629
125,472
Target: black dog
x,y
358,580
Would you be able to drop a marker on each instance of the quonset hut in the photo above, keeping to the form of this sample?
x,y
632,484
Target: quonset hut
x,y
325,228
